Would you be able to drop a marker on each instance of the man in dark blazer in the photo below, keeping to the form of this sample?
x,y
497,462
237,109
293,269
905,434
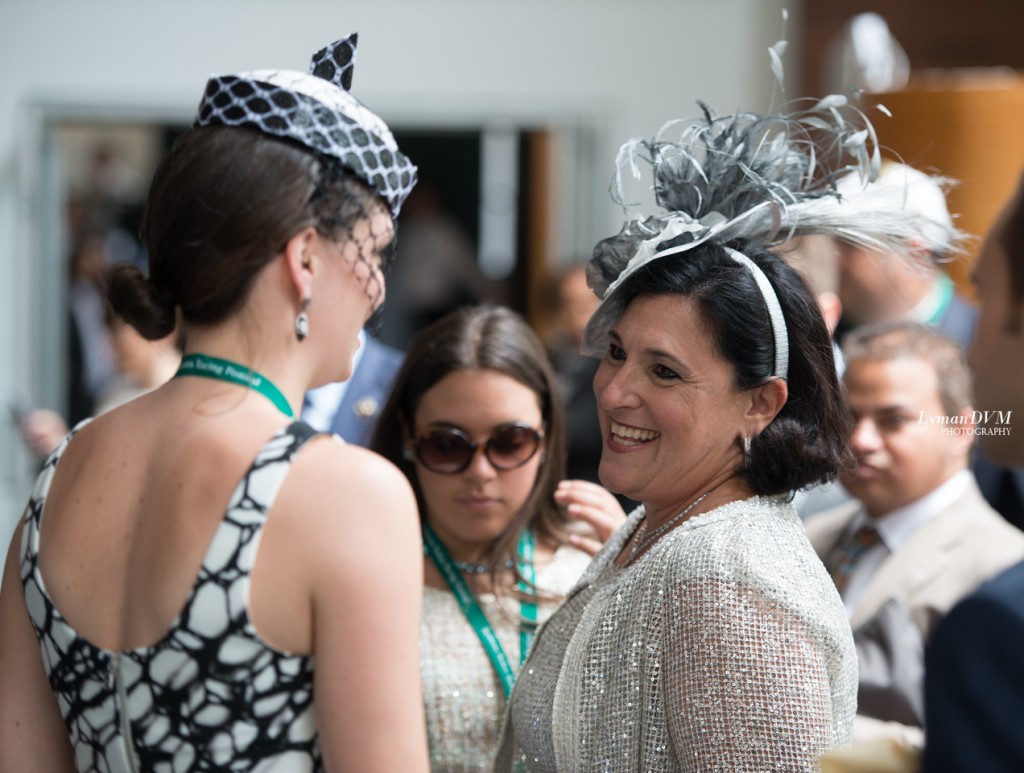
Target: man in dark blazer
x,y
974,683
350,408
919,536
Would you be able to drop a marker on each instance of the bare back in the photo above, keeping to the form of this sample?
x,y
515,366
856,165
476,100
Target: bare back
x,y
135,502
144,538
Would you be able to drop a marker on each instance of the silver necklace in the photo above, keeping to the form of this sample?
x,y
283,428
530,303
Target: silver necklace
x,y
467,568
644,540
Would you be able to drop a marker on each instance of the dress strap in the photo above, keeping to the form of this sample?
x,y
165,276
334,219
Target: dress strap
x,y
237,539
34,511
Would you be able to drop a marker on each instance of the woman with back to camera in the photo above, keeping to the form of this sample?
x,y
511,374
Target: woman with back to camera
x,y
707,634
475,422
186,556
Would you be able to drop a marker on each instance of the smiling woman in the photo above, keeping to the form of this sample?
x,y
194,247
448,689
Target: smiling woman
x,y
700,428
707,635
654,386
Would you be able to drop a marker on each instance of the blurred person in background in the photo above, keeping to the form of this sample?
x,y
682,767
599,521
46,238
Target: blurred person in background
x,y
878,285
442,269
906,281
350,409
92,363
816,258
141,366
974,674
572,303
918,535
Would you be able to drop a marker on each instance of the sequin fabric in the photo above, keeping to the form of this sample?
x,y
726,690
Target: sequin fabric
x,y
462,694
724,648
210,695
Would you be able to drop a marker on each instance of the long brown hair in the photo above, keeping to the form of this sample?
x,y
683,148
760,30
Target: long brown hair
x,y
222,204
487,338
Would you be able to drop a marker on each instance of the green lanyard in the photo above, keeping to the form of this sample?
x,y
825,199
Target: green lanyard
x,y
945,293
226,370
475,615
527,609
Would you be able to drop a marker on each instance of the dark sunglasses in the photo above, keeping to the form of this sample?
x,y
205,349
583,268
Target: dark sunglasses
x,y
450,451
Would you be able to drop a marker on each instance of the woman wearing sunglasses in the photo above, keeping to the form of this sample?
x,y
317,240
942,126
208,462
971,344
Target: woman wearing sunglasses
x,y
475,423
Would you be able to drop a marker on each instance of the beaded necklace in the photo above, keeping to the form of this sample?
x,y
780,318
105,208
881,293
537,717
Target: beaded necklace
x,y
467,568
475,615
644,540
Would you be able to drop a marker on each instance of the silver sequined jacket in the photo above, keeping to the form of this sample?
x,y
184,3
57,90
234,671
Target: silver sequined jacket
x,y
724,647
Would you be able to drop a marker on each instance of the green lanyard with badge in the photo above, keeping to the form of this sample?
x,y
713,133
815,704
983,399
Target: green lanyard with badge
x,y
475,615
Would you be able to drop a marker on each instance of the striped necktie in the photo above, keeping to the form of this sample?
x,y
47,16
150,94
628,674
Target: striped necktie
x,y
846,552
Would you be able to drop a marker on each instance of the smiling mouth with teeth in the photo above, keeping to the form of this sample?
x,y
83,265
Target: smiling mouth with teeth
x,y
630,436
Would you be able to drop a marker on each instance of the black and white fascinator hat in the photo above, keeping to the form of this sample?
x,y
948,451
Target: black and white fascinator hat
x,y
763,178
316,110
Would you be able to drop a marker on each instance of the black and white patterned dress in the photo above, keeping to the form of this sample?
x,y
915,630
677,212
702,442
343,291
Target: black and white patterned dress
x,y
210,695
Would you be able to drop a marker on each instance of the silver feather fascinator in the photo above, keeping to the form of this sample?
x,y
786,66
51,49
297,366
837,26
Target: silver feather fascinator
x,y
763,178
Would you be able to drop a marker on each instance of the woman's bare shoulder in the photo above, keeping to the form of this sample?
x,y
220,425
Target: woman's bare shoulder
x,y
329,463
336,487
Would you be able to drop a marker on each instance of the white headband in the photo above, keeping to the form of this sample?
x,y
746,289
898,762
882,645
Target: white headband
x,y
771,300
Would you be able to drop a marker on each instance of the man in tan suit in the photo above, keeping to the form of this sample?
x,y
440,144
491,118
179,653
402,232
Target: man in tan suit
x,y
919,535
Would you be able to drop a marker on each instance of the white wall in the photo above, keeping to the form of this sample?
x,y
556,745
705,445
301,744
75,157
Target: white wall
x,y
613,68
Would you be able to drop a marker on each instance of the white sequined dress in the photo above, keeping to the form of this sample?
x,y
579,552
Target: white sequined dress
x,y
461,691
724,647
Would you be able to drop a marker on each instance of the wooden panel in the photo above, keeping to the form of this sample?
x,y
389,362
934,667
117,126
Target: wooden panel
x,y
934,33
964,126
536,211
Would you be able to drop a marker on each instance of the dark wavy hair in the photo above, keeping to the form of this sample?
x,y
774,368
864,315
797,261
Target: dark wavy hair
x,y
487,338
222,204
807,442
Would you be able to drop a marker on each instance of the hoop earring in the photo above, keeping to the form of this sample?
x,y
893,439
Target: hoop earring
x,y
302,321
746,453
